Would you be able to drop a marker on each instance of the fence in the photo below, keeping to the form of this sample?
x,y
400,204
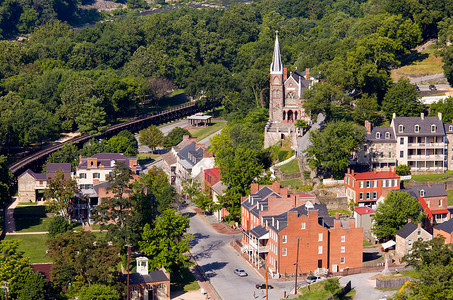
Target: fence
x,y
351,271
391,283
332,181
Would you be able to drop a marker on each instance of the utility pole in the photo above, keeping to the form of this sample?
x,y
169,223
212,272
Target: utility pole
x,y
128,251
297,265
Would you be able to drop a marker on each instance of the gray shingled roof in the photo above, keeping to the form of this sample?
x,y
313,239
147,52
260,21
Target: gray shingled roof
x,y
406,230
447,127
259,231
36,176
54,167
445,226
382,130
425,126
219,188
154,276
436,190
190,154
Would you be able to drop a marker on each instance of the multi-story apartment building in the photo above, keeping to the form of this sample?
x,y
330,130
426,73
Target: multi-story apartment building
x,y
422,143
276,226
366,188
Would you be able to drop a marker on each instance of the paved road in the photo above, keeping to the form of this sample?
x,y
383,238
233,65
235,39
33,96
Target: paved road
x,y
439,87
303,142
218,259
365,288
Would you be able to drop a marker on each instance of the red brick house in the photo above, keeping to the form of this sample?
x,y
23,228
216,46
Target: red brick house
x,y
145,285
434,201
275,223
446,230
211,177
366,188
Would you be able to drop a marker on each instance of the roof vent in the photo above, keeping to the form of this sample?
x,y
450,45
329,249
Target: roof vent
x,y
309,205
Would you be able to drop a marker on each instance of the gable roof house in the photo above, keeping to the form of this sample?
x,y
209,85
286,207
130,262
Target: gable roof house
x,y
407,235
274,222
446,230
418,142
170,159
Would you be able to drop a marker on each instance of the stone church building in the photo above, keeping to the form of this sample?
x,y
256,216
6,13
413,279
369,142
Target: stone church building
x,y
285,101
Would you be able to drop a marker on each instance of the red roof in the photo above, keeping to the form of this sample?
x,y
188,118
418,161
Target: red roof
x,y
440,211
373,175
214,172
363,210
425,207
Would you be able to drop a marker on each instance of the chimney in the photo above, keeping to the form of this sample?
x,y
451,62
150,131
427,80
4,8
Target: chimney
x,y
375,171
439,115
80,159
368,126
337,224
429,184
422,116
307,73
349,170
393,115
419,225
409,220
351,222
285,74
352,172
185,137
337,215
198,146
254,188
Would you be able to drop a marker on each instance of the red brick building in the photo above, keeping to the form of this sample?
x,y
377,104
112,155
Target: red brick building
x,y
446,230
366,188
211,177
275,224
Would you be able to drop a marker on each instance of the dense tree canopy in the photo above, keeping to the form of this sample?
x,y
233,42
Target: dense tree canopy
x,y
394,213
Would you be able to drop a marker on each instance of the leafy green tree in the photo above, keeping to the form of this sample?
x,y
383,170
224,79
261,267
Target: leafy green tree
x,y
94,146
331,147
444,106
67,154
57,226
151,137
394,212
402,99
166,242
366,110
322,98
15,269
433,261
121,144
59,192
92,118
174,137
80,258
402,170
98,291
201,200
6,182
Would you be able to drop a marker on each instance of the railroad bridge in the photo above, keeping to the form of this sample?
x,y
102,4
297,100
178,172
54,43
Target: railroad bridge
x,y
35,160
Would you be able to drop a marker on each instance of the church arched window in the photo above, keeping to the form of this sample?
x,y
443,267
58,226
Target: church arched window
x,y
290,99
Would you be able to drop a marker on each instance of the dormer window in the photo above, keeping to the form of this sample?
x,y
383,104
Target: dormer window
x,y
433,128
401,128
422,193
416,128
378,135
387,135
450,128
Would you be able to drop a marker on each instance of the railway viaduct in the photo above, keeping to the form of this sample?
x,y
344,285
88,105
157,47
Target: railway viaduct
x,y
36,159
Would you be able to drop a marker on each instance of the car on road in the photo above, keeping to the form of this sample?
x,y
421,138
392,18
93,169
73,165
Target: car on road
x,y
263,286
240,272
432,87
313,279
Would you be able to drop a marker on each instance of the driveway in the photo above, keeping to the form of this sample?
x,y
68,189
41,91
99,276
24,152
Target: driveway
x,y
218,260
365,288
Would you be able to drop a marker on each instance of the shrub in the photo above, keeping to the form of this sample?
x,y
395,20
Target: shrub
x,y
402,170
58,225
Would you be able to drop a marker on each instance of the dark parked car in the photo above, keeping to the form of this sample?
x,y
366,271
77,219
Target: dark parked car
x,y
263,286
313,279
432,87
240,272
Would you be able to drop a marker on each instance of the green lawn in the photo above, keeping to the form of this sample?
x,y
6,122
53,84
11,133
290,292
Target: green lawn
x,y
291,167
186,281
36,209
341,211
316,292
294,183
204,132
33,246
366,243
450,197
31,224
448,175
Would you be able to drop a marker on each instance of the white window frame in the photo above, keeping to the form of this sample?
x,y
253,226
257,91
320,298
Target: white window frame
x,y
302,225
417,128
387,135
96,175
284,239
378,135
375,183
320,236
284,252
360,196
319,249
343,238
422,193
400,128
342,260
343,249
374,195
433,128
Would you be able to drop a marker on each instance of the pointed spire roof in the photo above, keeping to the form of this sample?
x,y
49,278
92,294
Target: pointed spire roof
x,y
276,65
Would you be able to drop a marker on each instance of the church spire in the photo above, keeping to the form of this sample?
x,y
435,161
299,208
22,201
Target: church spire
x,y
276,65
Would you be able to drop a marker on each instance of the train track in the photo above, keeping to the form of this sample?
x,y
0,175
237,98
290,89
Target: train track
x,y
164,116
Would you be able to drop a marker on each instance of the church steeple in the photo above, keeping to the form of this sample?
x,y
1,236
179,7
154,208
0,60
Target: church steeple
x,y
276,65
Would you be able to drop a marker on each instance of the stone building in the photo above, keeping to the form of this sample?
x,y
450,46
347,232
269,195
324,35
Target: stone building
x,y
407,235
285,100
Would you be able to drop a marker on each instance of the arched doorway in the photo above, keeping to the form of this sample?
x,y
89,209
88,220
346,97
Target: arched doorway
x,y
149,293
162,291
290,115
295,115
284,115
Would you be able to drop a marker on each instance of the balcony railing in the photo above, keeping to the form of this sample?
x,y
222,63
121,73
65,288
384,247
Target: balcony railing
x,y
426,145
